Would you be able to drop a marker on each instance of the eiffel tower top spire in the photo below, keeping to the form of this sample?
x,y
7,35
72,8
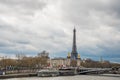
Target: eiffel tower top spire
x,y
74,53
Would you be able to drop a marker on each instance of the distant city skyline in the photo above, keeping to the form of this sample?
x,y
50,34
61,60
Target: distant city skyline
x,y
31,26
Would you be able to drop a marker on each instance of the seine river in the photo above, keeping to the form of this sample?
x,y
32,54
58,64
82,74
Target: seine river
x,y
78,77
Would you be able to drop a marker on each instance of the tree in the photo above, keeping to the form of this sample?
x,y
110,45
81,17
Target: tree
x,y
8,63
73,63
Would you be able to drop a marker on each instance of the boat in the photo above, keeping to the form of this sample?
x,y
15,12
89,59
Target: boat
x,y
48,73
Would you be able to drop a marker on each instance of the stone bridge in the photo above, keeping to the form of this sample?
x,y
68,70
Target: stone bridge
x,y
94,70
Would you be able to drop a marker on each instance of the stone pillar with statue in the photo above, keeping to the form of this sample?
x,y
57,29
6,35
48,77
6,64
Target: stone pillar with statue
x,y
68,60
78,61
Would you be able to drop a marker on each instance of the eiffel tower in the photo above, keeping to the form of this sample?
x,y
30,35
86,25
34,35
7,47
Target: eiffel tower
x,y
74,54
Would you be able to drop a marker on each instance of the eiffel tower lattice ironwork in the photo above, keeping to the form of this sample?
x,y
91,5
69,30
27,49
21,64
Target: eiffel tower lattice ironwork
x,y
74,53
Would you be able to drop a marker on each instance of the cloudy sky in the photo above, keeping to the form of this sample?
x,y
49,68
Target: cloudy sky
x,y
31,26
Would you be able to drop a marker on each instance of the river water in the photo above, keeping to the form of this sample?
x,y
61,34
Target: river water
x,y
78,77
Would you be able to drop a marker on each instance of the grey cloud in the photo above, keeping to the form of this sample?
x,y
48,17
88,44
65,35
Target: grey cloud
x,y
23,42
28,4
90,14
5,44
50,27
111,8
19,7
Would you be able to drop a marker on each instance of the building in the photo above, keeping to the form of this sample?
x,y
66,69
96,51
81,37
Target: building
x,y
59,62
1,58
73,56
64,62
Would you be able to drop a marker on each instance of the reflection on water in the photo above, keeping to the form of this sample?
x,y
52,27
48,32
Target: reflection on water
x,y
78,77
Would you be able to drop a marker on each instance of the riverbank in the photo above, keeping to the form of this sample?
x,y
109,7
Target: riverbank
x,y
22,75
110,75
77,77
18,75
